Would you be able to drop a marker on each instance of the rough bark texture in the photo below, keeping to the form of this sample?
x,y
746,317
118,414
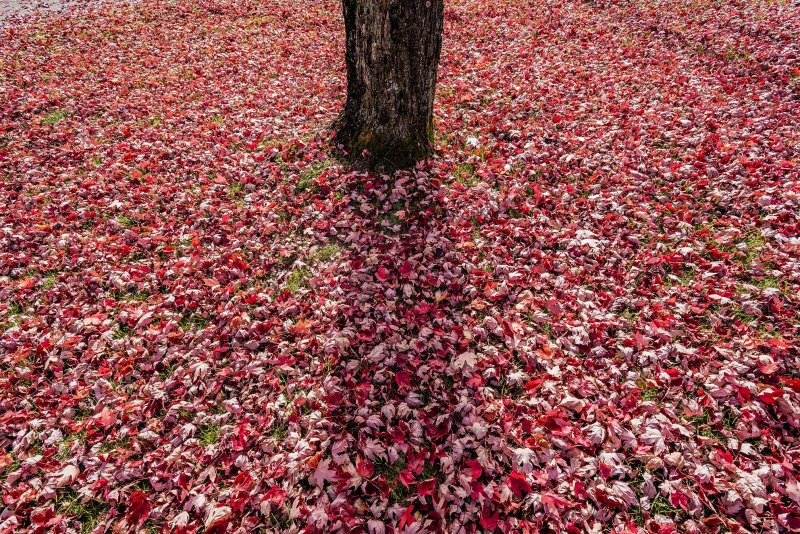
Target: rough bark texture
x,y
392,54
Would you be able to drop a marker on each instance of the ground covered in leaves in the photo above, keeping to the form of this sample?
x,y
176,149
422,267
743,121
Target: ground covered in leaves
x,y
581,316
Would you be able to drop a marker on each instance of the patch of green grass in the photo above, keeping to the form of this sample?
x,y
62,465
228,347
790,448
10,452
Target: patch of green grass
x,y
127,222
769,283
64,445
704,427
96,161
86,512
123,330
217,119
236,190
119,443
151,526
650,394
629,314
10,468
730,419
742,316
208,434
733,55
282,522
432,470
661,506
54,117
476,227
167,371
514,213
130,295
755,242
50,279
507,390
637,516
15,308
465,175
307,177
685,275
327,252
297,280
194,321
279,430
155,121
391,472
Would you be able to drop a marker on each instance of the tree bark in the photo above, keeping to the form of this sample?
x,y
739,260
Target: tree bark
x,y
392,55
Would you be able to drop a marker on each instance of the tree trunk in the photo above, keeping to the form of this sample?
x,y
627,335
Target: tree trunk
x,y
392,54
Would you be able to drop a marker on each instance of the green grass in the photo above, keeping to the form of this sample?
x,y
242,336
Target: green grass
x,y
194,321
64,445
236,190
50,279
391,472
126,222
651,394
123,330
279,430
465,175
54,117
432,470
130,295
155,121
514,213
119,443
309,176
15,308
661,506
755,242
10,468
208,434
703,426
730,419
281,523
637,516
733,55
86,512
769,283
327,252
297,280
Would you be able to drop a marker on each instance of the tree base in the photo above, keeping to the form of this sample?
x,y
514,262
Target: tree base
x,y
392,52
376,150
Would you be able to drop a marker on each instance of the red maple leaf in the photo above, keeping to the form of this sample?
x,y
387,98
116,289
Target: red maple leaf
x,y
518,483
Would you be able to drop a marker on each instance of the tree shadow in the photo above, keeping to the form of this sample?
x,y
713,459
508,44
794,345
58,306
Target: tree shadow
x,y
400,345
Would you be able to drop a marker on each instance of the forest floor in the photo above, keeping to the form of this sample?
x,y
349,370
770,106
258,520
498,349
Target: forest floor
x,y
580,316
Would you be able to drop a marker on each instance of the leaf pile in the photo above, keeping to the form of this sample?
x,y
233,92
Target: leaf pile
x,y
581,316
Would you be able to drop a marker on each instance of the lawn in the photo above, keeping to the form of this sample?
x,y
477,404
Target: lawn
x,y
580,316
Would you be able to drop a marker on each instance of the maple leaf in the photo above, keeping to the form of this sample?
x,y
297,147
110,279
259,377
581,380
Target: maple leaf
x,y
465,359
518,483
105,418
426,487
323,473
138,508
382,274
